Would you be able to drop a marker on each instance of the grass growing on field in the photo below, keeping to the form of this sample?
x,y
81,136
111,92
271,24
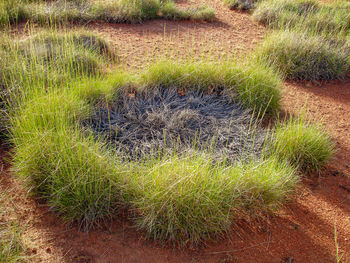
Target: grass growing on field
x,y
312,41
254,85
190,199
169,11
304,145
48,58
241,4
116,11
301,56
180,198
305,15
51,57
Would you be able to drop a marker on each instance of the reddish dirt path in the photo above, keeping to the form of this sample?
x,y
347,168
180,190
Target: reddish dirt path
x,y
303,231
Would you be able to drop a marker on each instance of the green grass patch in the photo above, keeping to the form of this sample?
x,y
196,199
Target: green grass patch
x,y
254,85
59,163
48,58
301,56
305,15
191,199
171,12
304,145
116,11
52,57
11,11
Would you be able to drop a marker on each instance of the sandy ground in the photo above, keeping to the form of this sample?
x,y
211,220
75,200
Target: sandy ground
x,y
232,34
302,231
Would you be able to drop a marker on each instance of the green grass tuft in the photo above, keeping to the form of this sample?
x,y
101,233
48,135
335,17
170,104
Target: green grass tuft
x,y
51,57
59,163
47,59
304,145
12,11
305,15
254,85
129,11
116,11
301,56
171,12
190,199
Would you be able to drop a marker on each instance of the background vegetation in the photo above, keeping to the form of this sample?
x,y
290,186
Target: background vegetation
x,y
84,11
311,41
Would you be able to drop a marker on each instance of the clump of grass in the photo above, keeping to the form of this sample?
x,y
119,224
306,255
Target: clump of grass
x,y
241,5
190,199
159,121
49,58
301,56
58,12
304,145
116,11
171,12
304,15
137,11
59,163
254,85
77,53
134,11
12,11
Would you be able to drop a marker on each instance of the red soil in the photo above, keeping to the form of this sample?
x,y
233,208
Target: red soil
x,y
302,231
138,45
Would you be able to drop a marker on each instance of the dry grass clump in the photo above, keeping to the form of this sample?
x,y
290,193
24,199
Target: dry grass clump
x,y
47,59
242,5
162,121
171,12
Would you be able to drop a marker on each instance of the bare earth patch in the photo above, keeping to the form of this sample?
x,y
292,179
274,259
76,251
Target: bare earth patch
x,y
139,45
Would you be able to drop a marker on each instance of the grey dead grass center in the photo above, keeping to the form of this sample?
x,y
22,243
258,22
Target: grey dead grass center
x,y
162,120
